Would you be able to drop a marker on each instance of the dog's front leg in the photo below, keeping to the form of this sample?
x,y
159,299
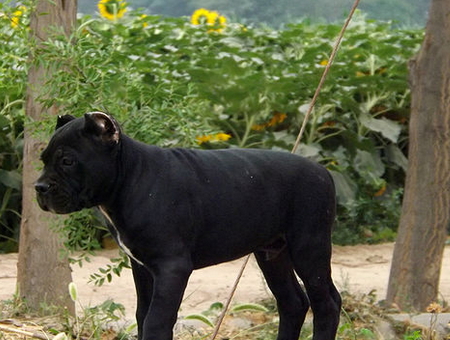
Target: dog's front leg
x,y
143,280
170,277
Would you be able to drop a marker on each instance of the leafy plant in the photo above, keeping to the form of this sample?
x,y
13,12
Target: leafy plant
x,y
106,273
209,317
216,308
94,322
414,335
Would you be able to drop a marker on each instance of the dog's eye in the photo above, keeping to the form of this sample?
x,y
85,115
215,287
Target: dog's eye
x,y
67,161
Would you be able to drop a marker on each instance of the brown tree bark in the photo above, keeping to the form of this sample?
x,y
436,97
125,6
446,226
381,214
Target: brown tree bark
x,y
43,274
417,259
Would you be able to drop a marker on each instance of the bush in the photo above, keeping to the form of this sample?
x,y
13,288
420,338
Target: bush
x,y
174,83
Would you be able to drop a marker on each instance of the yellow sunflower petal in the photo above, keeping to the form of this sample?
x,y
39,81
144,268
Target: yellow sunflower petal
x,y
200,16
212,17
203,139
380,192
223,137
112,9
17,15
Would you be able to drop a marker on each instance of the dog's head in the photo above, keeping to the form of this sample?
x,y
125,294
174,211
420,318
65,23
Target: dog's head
x,y
80,163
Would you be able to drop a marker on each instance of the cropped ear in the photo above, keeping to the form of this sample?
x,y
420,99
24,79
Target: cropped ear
x,y
102,125
63,120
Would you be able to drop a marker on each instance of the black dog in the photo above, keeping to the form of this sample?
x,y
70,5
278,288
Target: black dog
x,y
176,210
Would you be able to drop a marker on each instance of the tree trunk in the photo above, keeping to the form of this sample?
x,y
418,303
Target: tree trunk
x,y
43,274
417,259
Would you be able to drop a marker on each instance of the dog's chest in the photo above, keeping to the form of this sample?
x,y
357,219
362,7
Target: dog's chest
x,y
122,245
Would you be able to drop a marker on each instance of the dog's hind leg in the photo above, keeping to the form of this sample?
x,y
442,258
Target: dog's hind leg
x,y
311,259
292,302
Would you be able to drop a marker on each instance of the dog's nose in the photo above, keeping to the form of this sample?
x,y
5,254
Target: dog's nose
x,y
41,187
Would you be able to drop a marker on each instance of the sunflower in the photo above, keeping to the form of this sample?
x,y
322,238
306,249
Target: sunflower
x,y
143,17
200,17
203,16
219,137
216,20
277,118
17,15
112,9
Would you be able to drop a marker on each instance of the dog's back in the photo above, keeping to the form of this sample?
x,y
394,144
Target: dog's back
x,y
243,199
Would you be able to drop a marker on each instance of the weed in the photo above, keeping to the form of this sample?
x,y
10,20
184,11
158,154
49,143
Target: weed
x,y
14,306
95,322
358,321
252,318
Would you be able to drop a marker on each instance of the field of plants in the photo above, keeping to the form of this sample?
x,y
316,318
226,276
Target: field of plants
x,y
206,82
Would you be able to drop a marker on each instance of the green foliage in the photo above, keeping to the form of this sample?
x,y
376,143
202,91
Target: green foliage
x,y
108,69
347,331
83,232
254,307
103,321
369,220
12,92
413,335
116,267
172,83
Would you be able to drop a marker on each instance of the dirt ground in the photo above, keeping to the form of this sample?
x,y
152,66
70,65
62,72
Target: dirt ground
x,y
357,269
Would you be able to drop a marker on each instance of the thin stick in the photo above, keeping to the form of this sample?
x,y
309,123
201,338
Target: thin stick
x,y
294,149
227,304
324,74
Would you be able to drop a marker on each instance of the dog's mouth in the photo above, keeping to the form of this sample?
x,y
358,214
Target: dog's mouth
x,y
43,205
56,201
56,206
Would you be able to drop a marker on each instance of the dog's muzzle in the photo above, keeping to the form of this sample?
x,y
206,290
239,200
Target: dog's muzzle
x,y
51,198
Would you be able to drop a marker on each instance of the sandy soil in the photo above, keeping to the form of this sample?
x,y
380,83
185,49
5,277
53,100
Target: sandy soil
x,y
358,269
